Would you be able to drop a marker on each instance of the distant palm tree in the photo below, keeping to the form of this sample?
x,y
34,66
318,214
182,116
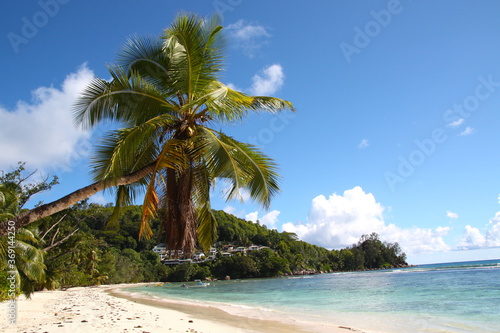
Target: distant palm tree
x,y
27,262
167,95
9,201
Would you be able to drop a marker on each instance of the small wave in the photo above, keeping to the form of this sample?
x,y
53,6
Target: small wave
x,y
300,277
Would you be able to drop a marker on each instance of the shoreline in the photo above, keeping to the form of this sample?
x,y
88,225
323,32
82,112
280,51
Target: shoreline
x,y
206,312
110,308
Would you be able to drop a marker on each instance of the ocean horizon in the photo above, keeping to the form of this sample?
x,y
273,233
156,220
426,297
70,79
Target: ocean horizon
x,y
444,297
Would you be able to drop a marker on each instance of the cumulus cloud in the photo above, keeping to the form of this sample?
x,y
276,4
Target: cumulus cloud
x,y
451,215
467,131
474,239
270,219
493,234
363,144
248,37
340,220
269,81
41,132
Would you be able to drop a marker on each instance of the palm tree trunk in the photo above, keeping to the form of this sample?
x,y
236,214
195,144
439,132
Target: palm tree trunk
x,y
72,198
180,220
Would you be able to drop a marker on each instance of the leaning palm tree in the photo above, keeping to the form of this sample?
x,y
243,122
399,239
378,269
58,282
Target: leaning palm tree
x,y
167,94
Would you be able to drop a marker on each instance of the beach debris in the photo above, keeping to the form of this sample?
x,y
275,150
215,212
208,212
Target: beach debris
x,y
190,321
349,328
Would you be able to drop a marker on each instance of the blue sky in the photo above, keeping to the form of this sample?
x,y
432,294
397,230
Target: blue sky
x,y
398,109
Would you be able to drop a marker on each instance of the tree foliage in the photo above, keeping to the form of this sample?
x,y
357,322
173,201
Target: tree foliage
x,y
167,94
76,247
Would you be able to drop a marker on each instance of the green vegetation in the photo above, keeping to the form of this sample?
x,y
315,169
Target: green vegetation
x,y
167,94
95,254
77,247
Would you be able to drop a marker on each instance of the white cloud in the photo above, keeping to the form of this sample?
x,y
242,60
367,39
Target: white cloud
x,y
270,219
451,215
467,131
99,199
229,210
442,231
232,86
246,31
248,37
363,144
456,123
41,132
245,194
253,216
269,81
340,220
474,239
224,187
498,198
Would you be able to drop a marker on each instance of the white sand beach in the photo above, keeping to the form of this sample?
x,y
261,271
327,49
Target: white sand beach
x,y
109,309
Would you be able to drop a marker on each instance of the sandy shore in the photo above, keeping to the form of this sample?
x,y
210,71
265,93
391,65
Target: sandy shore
x,y
110,309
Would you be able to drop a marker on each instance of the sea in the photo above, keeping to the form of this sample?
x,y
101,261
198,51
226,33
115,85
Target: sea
x,y
446,297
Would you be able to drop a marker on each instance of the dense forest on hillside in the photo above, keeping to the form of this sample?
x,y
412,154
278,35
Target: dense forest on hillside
x,y
78,249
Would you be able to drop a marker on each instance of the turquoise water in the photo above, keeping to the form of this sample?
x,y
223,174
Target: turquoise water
x,y
452,297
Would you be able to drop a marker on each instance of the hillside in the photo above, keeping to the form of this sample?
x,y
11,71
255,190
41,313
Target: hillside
x,y
80,249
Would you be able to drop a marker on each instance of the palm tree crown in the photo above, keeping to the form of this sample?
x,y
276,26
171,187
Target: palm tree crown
x,y
166,94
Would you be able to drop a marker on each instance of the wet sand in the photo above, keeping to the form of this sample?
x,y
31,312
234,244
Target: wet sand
x,y
113,309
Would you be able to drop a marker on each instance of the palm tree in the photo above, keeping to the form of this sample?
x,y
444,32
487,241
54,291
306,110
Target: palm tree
x,y
166,93
27,263
9,201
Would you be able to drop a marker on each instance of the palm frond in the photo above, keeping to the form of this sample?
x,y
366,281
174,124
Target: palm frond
x,y
128,98
125,195
129,149
226,104
144,55
220,160
207,224
263,183
245,166
193,48
149,209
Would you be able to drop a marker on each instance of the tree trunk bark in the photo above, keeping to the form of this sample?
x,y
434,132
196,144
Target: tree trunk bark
x,y
180,220
72,198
